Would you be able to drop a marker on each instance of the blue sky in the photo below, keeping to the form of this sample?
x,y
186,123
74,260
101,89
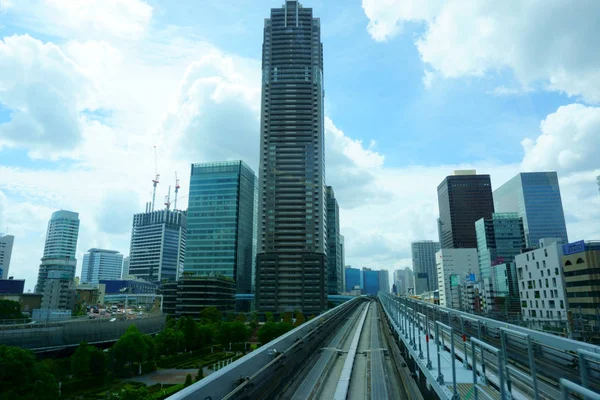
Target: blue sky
x,y
414,89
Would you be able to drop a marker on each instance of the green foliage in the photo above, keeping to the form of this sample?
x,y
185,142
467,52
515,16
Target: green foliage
x,y
80,361
239,332
206,334
188,380
211,315
272,330
287,317
312,316
240,318
300,319
199,375
191,333
22,378
169,341
269,317
79,310
254,321
10,310
131,347
129,394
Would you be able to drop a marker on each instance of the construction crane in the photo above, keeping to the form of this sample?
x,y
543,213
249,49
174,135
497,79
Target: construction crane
x,y
176,191
168,199
155,180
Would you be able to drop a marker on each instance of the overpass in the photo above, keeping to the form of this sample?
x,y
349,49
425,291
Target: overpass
x,y
401,348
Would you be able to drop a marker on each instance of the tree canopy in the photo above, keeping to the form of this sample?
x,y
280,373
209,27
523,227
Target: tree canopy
x,y
22,378
211,315
10,310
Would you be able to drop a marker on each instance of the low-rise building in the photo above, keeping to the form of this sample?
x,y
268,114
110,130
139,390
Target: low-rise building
x,y
454,262
581,263
12,286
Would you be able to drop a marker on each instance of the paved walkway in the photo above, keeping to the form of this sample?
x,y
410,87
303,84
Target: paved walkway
x,y
171,375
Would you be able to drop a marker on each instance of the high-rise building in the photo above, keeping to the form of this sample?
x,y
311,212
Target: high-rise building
x,y
370,281
384,280
536,197
541,281
343,256
463,198
6,245
453,267
221,222
60,247
353,278
59,291
292,255
125,268
157,248
334,247
499,240
581,262
424,269
101,264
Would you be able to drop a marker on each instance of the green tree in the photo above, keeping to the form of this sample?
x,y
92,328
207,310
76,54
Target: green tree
x,y
97,362
131,347
287,317
267,332
211,315
299,318
188,380
191,333
22,378
239,332
206,334
169,341
129,394
254,321
80,361
240,318
79,310
269,317
199,375
10,310
225,333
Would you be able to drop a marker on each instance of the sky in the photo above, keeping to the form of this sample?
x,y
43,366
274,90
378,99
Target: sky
x,y
414,89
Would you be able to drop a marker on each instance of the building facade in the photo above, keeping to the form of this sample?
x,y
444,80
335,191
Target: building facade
x,y
370,282
101,264
353,278
125,269
453,267
157,250
384,280
6,245
292,255
12,286
424,265
334,247
60,247
196,294
581,264
463,198
535,196
59,291
221,222
541,282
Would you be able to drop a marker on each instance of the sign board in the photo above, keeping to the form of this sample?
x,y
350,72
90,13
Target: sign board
x,y
575,247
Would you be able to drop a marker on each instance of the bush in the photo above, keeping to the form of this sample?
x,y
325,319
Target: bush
x,y
81,384
188,380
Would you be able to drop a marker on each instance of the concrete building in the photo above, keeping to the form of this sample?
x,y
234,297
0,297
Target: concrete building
x,y
581,264
424,265
334,247
535,196
292,254
12,286
197,293
454,265
157,248
6,245
221,223
101,264
353,278
343,257
28,301
60,247
463,198
370,281
541,281
499,240
125,268
59,291
384,280
471,292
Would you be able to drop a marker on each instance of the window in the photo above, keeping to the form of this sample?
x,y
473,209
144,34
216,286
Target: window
x,y
553,282
555,271
579,261
562,304
568,262
545,252
542,272
544,263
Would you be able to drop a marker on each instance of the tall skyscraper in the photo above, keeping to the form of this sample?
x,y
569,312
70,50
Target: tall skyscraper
x,y
6,245
463,198
221,223
370,281
101,264
353,278
125,269
157,248
384,280
424,269
334,251
343,256
536,197
60,247
292,259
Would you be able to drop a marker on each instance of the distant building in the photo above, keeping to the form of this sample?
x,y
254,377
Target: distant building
x,y
581,263
463,198
125,269
130,286
535,196
60,247
12,286
197,293
471,296
454,266
101,264
59,291
334,247
28,301
384,280
157,249
221,223
370,281
353,278
6,245
343,253
168,290
541,281
424,266
89,294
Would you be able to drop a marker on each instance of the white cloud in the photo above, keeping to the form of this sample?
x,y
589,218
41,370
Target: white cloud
x,y
552,43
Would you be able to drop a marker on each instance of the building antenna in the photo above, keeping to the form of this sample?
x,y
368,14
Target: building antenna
x,y
168,199
155,180
176,191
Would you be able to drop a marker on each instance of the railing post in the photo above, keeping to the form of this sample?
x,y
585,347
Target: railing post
x,y
503,343
536,396
420,350
455,396
474,360
583,370
483,376
440,377
429,366
414,338
501,377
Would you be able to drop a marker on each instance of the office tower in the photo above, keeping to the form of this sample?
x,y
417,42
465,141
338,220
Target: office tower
x,y
453,267
581,262
463,198
6,245
541,281
423,261
353,278
59,290
370,281
60,247
343,257
384,280
536,197
125,269
101,264
334,251
221,223
157,248
292,259
499,240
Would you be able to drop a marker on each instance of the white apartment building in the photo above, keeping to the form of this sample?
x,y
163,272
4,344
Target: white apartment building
x,y
541,282
450,262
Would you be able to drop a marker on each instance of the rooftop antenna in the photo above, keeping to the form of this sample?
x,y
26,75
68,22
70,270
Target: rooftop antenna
x,y
176,191
168,199
155,180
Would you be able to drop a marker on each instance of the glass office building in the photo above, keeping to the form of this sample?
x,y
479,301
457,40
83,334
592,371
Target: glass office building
x,y
221,224
101,264
371,282
424,266
334,251
353,278
535,196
